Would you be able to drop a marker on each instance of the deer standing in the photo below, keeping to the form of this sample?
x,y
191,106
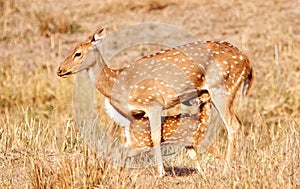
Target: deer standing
x,y
167,78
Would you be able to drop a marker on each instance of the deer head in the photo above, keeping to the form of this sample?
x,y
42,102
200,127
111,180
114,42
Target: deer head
x,y
79,59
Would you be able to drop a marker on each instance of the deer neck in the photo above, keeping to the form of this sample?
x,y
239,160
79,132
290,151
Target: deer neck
x,y
107,77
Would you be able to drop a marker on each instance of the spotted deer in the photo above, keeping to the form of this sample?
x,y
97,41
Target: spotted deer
x,y
184,130
165,79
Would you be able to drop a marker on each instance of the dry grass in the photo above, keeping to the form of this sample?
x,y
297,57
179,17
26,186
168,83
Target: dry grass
x,y
39,145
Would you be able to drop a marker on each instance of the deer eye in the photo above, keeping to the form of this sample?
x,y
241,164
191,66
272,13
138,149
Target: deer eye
x,y
77,54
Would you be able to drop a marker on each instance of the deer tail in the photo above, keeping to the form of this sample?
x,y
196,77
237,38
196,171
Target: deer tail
x,y
248,82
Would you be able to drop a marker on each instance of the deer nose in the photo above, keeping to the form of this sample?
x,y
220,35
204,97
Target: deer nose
x,y
59,72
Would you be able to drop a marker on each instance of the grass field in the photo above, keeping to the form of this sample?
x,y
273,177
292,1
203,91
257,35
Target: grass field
x,y
39,145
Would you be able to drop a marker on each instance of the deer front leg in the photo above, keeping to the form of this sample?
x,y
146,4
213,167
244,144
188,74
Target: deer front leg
x,y
155,126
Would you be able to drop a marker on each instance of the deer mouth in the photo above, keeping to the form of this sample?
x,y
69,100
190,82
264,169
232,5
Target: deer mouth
x,y
61,74
66,74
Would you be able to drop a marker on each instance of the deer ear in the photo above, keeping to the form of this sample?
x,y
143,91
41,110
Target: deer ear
x,y
99,35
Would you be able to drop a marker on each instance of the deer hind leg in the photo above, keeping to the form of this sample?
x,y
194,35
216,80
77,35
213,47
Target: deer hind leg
x,y
192,153
155,127
223,104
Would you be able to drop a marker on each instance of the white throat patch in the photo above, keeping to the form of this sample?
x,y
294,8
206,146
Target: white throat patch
x,y
92,76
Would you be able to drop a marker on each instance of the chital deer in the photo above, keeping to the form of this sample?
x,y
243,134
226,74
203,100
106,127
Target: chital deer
x,y
169,77
184,130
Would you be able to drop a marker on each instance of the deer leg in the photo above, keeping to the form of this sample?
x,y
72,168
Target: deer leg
x,y
213,152
224,108
155,126
232,126
193,156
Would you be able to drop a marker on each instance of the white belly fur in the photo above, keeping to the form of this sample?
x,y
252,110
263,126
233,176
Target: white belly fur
x,y
115,115
119,118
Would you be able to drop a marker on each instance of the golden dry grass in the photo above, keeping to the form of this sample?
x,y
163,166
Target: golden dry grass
x,y
39,145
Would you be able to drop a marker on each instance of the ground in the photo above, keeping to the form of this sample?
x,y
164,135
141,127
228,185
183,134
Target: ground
x,y
40,146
